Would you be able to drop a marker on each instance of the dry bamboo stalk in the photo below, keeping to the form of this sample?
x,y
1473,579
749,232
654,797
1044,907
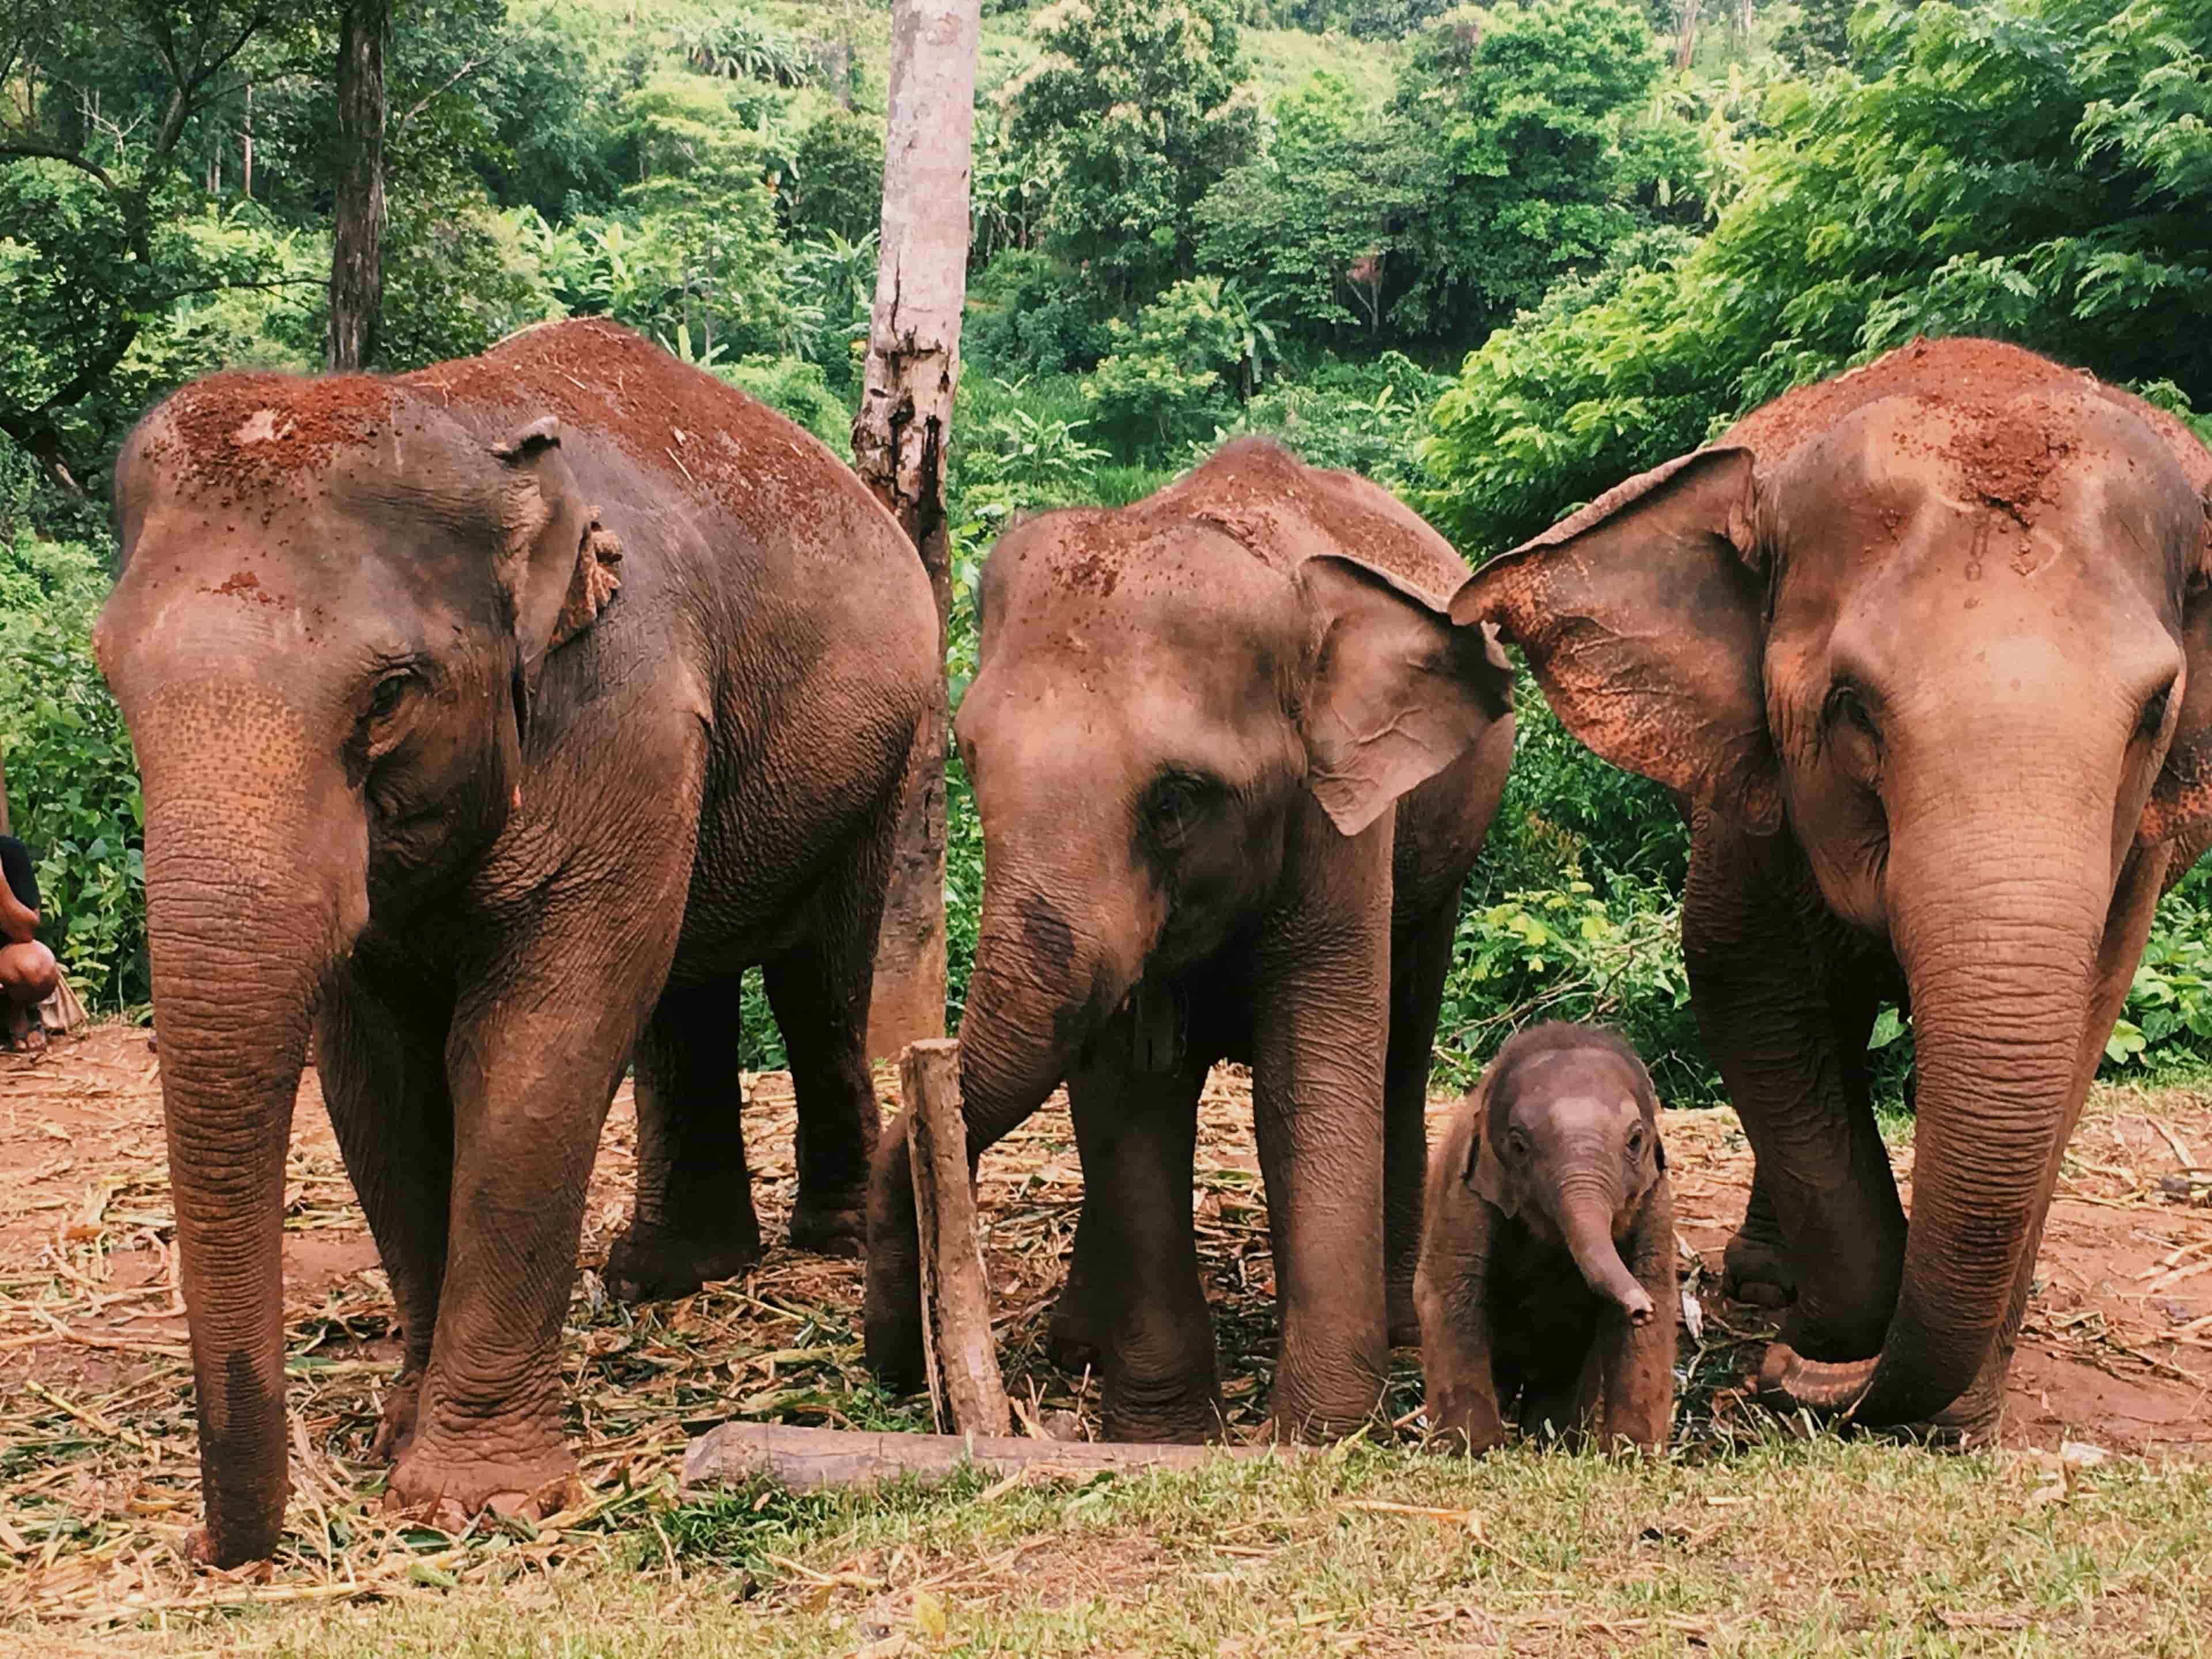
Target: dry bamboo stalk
x,y
965,1389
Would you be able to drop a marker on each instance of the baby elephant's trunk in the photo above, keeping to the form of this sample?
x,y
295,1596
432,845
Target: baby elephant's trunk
x,y
1586,1223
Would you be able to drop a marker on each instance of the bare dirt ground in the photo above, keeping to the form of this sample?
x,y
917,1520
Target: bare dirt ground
x,y
97,1462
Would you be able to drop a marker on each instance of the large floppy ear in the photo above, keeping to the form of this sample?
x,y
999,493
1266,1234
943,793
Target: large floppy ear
x,y
1396,693
1485,1174
2180,811
560,566
1646,628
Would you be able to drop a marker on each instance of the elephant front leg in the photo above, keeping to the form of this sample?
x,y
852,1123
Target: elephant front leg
x,y
1636,1363
531,1075
1320,1009
380,1058
1760,990
1420,957
1137,1134
691,1217
1456,1359
1075,1339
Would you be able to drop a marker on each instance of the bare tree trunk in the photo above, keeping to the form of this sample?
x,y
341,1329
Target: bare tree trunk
x,y
967,1393
1685,41
5,829
899,443
357,249
246,147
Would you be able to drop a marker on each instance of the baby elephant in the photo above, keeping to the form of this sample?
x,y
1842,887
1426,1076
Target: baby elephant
x,y
1547,1256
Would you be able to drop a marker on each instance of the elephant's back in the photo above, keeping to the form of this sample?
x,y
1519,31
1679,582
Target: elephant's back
x,y
1284,512
689,435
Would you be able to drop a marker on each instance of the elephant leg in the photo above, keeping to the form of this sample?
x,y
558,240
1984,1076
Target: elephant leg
x,y
1631,1379
691,1217
1755,1267
1420,957
1075,1340
1760,989
820,993
1137,1132
381,1061
532,1069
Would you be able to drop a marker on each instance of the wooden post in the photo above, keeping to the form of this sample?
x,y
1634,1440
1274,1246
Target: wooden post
x,y
957,1348
899,441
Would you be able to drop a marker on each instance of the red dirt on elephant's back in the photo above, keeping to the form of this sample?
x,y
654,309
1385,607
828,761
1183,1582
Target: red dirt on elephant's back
x,y
247,431
678,422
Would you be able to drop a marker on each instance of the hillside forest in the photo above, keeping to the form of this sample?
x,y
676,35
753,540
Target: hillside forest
x,y
1497,258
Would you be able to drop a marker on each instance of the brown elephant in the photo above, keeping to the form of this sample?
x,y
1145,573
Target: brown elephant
x,y
1927,649
492,719
1232,762
1546,1276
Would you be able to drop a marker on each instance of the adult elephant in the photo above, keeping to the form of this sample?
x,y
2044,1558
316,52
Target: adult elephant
x,y
1928,649
491,721
1232,762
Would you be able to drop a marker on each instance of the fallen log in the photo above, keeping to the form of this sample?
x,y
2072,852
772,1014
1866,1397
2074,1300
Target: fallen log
x,y
804,1459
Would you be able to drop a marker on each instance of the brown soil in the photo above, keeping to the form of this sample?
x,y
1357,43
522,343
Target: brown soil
x,y
94,1372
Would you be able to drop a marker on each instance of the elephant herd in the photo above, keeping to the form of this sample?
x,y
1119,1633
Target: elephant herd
x,y
493,720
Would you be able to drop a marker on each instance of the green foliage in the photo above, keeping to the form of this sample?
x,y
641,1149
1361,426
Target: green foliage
x,y
835,184
2042,175
458,277
1175,374
72,782
738,47
1365,417
1133,112
1028,313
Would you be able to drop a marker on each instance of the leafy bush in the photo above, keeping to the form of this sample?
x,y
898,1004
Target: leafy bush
x,y
1172,377
72,781
1028,313
2042,173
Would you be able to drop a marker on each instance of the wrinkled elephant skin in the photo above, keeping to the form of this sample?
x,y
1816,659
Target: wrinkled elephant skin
x,y
492,719
1926,651
1232,762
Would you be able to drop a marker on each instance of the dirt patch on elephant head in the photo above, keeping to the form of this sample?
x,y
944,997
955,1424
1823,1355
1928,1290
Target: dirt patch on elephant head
x,y
2004,442
250,433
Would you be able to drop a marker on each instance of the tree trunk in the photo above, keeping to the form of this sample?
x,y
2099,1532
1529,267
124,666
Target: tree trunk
x,y
966,1391
899,444
357,242
1686,39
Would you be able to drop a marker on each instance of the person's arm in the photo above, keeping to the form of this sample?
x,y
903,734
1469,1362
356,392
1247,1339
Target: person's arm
x,y
19,893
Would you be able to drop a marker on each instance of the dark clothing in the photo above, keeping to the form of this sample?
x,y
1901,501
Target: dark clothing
x,y
15,865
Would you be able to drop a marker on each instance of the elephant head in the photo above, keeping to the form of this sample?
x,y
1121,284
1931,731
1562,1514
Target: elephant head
x,y
1569,1146
1944,622
334,609
1158,688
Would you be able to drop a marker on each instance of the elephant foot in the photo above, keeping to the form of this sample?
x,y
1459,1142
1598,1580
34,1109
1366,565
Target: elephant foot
x,y
1755,1268
648,1264
1196,1423
831,1223
448,1490
1075,1339
395,1430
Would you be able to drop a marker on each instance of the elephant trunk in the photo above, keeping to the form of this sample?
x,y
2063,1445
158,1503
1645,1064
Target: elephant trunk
x,y
2000,971
1040,987
251,896
1586,1223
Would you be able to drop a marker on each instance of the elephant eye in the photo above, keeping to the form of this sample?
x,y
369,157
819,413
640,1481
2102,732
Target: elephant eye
x,y
1846,705
1517,1143
1636,1145
389,692
2154,713
1174,803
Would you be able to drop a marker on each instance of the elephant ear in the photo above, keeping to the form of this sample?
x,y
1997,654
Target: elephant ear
x,y
1646,627
561,567
1396,692
2180,811
1484,1172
